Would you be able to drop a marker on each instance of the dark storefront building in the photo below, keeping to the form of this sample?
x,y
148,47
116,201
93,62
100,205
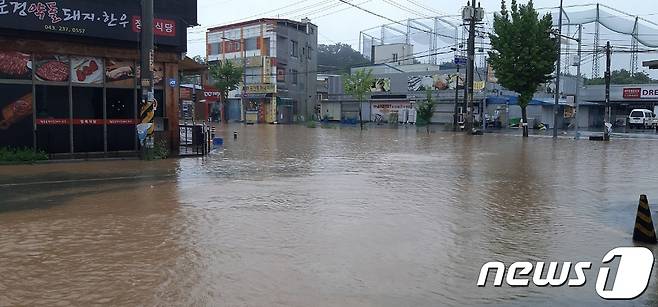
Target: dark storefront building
x,y
69,72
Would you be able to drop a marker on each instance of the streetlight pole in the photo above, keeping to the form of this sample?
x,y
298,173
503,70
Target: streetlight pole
x,y
558,72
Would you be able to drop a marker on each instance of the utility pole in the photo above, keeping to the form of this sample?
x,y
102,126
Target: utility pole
x,y
455,120
147,107
579,79
556,107
243,95
471,67
608,76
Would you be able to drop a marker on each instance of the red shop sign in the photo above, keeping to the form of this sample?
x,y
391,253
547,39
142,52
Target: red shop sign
x,y
632,93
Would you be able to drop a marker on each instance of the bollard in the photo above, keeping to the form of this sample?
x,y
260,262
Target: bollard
x,y
235,135
644,231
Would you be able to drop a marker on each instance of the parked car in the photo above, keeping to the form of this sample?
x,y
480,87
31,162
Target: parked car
x,y
642,119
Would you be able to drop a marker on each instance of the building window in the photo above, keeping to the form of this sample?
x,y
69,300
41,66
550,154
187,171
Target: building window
x,y
281,75
309,53
214,49
53,119
294,76
231,46
294,49
120,108
88,132
395,57
252,43
266,47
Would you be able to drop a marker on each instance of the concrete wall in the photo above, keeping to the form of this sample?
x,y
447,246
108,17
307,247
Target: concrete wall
x,y
387,53
304,66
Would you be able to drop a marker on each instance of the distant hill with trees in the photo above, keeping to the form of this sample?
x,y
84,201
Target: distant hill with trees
x,y
339,58
623,76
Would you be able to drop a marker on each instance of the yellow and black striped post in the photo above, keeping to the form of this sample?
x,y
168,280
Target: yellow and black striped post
x,y
146,114
644,230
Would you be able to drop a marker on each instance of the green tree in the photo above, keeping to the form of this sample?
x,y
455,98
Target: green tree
x,y
425,111
358,85
523,51
226,78
339,58
623,76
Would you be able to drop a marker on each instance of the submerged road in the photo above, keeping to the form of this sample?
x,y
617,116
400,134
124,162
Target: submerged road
x,y
293,216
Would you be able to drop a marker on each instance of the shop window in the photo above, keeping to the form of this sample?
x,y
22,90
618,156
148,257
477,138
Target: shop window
x,y
120,108
160,111
53,118
15,65
16,116
88,122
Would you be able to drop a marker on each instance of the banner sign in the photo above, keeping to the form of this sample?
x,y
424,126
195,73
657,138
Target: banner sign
x,y
641,93
85,122
439,82
261,88
381,111
98,19
211,94
381,85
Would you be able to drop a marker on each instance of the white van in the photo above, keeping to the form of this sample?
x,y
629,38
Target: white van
x,y
642,119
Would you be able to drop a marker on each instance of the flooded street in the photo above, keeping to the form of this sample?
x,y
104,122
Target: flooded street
x,y
292,216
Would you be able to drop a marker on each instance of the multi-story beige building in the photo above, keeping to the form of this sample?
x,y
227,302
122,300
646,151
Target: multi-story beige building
x,y
280,56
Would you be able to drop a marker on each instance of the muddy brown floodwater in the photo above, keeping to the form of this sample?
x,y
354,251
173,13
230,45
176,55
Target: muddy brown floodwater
x,y
292,216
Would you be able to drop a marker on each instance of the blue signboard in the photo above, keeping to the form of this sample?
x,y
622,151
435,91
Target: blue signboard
x,y
460,60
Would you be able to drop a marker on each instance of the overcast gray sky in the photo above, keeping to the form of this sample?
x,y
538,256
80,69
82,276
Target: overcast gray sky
x,y
339,22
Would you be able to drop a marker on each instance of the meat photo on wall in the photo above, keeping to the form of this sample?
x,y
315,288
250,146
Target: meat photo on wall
x,y
16,111
15,65
87,70
120,73
52,68
158,74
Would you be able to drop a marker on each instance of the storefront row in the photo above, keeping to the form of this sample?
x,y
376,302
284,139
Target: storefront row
x,y
66,103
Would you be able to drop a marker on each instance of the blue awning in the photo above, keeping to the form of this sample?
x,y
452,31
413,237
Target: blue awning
x,y
511,100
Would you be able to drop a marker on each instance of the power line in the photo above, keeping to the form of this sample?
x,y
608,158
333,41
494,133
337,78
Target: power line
x,y
338,11
394,21
424,7
203,29
407,9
